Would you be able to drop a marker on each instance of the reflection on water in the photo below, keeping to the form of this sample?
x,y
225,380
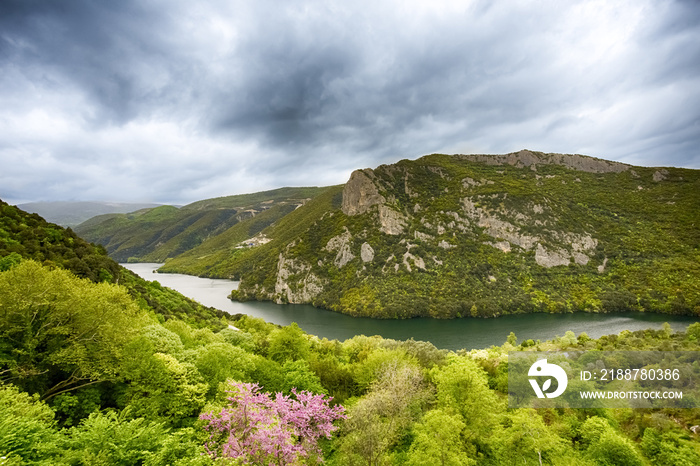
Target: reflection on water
x,y
450,334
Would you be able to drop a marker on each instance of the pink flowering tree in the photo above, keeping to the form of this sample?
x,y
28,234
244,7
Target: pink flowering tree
x,y
261,429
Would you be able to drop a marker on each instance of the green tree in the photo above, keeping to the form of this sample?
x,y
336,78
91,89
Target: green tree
x,y
376,421
26,427
288,344
693,332
112,439
298,374
668,449
218,362
527,440
614,449
9,261
59,332
605,446
462,387
162,388
438,441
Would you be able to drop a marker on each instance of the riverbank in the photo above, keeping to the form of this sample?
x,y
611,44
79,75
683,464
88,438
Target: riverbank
x,y
455,334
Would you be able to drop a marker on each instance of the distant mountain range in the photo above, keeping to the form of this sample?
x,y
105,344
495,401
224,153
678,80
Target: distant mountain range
x,y
444,236
156,234
70,214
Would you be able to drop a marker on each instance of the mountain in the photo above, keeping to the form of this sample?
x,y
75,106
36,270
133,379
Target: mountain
x,y
70,214
478,235
156,234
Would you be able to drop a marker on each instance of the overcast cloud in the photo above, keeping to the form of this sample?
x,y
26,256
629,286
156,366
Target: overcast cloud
x,y
174,101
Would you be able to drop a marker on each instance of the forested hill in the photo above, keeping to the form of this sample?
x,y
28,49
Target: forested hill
x,y
480,235
156,234
29,236
89,374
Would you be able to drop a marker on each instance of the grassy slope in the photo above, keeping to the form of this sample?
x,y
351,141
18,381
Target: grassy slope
x,y
219,257
242,200
154,235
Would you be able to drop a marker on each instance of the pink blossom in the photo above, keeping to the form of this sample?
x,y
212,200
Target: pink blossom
x,y
265,430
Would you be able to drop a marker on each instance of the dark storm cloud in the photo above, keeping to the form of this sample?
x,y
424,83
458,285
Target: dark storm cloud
x,y
178,100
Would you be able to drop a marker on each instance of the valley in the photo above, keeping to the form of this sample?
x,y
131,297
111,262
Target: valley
x,y
445,237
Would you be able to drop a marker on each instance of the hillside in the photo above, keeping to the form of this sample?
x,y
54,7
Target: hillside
x,y
70,214
481,235
25,236
156,234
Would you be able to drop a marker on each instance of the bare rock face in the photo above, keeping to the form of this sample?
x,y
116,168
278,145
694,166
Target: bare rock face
x,y
660,175
547,258
366,252
502,245
360,193
391,222
525,158
497,227
601,267
304,290
341,243
409,259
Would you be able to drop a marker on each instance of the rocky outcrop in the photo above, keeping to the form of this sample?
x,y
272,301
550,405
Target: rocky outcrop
x,y
551,258
360,193
495,226
660,175
366,253
391,222
410,259
503,224
295,283
341,243
525,158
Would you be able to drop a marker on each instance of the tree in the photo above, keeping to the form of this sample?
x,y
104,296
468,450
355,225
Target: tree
x,y
613,448
528,440
218,362
606,446
109,438
161,387
298,375
259,429
59,332
376,422
26,427
9,261
288,343
462,387
438,441
668,449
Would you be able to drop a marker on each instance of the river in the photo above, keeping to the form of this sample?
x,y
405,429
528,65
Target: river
x,y
449,334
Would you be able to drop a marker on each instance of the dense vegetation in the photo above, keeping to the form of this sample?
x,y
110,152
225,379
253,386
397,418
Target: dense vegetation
x,y
28,236
91,373
156,234
452,237
89,377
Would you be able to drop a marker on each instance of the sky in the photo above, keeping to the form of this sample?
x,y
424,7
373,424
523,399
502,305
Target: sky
x,y
173,101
